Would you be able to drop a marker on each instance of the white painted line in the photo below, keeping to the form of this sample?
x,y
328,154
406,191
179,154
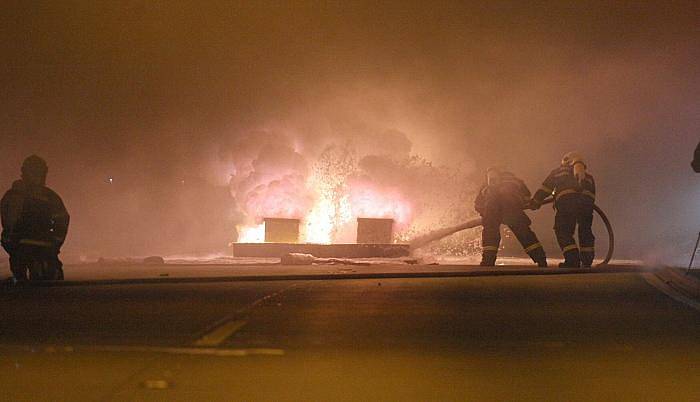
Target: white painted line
x,y
187,351
669,291
231,323
220,333
146,349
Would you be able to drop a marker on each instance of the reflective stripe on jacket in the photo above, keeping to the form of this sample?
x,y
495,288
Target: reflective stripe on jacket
x,y
561,182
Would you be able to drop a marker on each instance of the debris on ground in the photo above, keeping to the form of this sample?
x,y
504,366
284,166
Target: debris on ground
x,y
154,260
309,259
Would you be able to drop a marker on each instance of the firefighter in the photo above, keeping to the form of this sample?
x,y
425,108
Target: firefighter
x,y
34,220
501,201
573,189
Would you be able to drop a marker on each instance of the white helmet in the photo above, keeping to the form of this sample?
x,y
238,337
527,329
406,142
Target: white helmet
x,y
570,158
493,175
576,160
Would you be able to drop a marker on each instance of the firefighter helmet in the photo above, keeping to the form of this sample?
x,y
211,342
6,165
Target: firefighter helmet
x,y
493,175
34,169
575,160
571,158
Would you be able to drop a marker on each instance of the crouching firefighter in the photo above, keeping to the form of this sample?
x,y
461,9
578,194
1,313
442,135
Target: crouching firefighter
x,y
501,201
34,221
573,189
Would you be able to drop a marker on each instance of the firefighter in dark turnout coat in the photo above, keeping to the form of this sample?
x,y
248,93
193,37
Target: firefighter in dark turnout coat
x,y
501,201
34,219
573,189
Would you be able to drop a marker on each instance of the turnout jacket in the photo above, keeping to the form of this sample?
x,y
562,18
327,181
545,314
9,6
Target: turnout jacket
x,y
509,193
561,182
33,215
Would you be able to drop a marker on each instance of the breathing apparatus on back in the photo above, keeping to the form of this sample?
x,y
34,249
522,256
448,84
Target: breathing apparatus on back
x,y
575,160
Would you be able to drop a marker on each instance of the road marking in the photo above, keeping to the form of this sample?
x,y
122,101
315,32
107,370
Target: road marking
x,y
155,384
231,323
220,333
190,351
239,352
669,291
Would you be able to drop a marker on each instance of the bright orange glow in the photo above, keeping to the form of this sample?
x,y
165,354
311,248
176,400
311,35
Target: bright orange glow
x,y
251,234
335,208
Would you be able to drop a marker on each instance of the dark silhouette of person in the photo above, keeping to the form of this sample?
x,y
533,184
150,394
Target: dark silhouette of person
x,y
696,159
34,220
573,188
501,201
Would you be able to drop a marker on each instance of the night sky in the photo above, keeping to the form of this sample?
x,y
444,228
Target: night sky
x,y
155,94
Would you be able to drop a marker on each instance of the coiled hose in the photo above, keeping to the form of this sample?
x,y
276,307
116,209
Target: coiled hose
x,y
608,227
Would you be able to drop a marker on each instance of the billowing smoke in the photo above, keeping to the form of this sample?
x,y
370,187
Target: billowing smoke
x,y
269,178
329,187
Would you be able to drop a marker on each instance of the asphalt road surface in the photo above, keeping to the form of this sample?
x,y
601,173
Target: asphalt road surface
x,y
574,337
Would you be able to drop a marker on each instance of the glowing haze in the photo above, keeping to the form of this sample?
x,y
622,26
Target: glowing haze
x,y
211,115
329,187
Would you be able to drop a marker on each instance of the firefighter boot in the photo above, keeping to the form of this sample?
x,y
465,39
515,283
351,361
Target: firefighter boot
x,y
18,268
572,259
488,259
539,257
587,255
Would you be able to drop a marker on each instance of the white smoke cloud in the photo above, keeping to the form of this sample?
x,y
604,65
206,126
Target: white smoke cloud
x,y
368,176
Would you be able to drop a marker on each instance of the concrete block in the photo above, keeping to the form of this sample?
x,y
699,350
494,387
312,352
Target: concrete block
x,y
281,230
374,231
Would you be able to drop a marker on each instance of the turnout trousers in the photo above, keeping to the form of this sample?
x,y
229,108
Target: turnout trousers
x,y
519,224
575,210
21,257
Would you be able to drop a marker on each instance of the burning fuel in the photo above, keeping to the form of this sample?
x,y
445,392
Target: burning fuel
x,y
330,189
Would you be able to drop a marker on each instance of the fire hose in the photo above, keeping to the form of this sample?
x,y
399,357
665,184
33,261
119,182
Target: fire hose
x,y
423,240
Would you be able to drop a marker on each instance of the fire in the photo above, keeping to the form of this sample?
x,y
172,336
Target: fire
x,y
332,212
251,234
370,202
325,218
276,176
335,207
328,199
